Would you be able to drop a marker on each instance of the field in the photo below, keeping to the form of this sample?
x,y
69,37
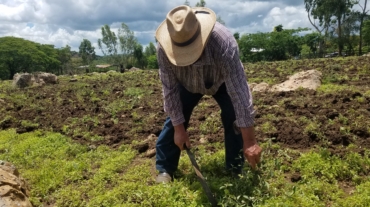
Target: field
x,y
87,143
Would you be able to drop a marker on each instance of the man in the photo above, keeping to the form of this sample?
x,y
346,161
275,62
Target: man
x,y
198,56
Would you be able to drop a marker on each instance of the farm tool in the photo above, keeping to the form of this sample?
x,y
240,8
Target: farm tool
x,y
201,179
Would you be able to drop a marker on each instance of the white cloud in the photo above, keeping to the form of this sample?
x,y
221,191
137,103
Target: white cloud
x,y
289,17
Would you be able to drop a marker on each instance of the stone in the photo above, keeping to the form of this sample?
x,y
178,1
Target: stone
x,y
46,78
150,153
151,138
261,87
22,80
203,140
13,189
310,79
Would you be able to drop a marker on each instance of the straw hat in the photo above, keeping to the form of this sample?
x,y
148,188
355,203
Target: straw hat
x,y
184,33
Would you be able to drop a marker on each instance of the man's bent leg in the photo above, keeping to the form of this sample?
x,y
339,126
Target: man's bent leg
x,y
168,154
233,142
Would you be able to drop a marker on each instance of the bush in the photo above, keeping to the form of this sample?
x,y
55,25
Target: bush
x,y
152,62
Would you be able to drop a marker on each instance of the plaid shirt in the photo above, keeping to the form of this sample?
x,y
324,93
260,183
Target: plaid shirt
x,y
218,64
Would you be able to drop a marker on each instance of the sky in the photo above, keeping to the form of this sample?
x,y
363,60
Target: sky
x,y
68,22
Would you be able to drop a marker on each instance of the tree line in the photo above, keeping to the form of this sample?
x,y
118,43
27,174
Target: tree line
x,y
120,51
340,29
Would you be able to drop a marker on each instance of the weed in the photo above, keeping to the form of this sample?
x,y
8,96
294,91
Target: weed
x,y
28,124
268,128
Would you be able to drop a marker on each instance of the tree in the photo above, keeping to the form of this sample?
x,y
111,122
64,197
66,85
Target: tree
x,y
109,44
150,50
315,11
362,17
220,20
152,62
271,46
187,3
201,3
51,63
127,42
237,36
19,55
139,56
366,32
330,12
278,28
313,41
350,29
86,51
64,56
340,10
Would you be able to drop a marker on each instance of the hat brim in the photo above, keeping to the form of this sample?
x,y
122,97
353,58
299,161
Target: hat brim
x,y
187,55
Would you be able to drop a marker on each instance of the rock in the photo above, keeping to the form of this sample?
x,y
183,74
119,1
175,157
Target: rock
x,y
22,80
151,138
310,79
13,189
203,140
261,87
252,85
150,153
73,80
46,78
141,147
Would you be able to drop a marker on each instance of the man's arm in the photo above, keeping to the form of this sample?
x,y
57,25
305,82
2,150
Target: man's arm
x,y
172,101
240,94
170,89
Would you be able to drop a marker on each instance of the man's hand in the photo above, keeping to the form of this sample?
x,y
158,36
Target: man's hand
x,y
181,137
252,151
252,154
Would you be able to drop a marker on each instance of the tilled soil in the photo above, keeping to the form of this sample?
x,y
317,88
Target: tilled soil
x,y
299,119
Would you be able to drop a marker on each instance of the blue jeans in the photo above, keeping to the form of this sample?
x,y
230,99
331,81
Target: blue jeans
x,y
168,154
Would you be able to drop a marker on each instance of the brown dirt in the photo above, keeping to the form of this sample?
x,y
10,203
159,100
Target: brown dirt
x,y
340,118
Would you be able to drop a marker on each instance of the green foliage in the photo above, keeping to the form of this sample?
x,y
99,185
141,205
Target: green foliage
x,y
270,46
366,32
49,161
87,51
220,20
119,48
201,3
109,45
331,13
150,50
152,62
61,172
19,55
65,58
140,60
306,51
326,167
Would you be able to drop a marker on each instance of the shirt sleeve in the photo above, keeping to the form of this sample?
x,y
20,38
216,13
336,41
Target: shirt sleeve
x,y
170,89
236,83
